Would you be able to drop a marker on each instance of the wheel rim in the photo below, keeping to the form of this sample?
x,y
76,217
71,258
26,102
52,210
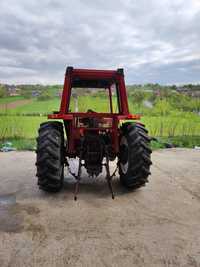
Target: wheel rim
x,y
124,155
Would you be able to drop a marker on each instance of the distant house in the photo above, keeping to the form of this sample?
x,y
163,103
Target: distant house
x,y
12,90
35,93
188,91
182,90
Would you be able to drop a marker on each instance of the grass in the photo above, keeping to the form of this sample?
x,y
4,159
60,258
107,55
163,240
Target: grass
x,y
19,126
180,128
21,143
26,126
41,107
171,126
97,103
176,141
10,99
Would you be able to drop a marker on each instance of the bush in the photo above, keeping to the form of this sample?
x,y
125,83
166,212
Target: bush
x,y
26,93
3,91
45,95
162,108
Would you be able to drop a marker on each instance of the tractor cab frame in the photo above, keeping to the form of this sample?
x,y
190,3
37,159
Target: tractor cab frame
x,y
73,121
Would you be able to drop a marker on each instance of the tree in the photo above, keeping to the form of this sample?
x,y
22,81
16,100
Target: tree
x,y
45,95
162,107
3,91
152,97
138,96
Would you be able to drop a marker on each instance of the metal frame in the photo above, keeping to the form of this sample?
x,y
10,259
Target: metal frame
x,y
74,132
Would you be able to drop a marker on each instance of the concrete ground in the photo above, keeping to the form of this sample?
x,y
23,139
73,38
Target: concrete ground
x,y
157,225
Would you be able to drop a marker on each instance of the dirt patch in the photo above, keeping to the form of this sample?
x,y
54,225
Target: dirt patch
x,y
13,215
11,221
15,104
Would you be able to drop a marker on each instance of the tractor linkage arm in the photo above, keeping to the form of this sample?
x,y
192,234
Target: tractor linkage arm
x,y
80,165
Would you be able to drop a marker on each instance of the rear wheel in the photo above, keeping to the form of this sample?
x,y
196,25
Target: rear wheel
x,y
50,156
134,156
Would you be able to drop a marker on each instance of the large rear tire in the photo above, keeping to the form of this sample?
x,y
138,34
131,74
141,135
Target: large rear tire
x,y
134,156
50,156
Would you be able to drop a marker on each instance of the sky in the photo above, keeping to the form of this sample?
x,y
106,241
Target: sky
x,y
155,41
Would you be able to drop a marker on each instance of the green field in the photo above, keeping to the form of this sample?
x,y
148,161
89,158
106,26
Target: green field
x,y
36,107
10,99
20,123
99,104
19,126
26,126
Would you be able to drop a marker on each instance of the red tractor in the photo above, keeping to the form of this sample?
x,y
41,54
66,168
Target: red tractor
x,y
93,136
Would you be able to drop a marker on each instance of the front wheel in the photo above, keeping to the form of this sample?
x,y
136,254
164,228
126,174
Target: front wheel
x,y
134,155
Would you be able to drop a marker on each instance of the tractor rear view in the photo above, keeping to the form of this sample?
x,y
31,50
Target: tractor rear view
x,y
92,136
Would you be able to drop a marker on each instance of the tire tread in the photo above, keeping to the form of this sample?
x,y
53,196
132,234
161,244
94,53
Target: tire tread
x,y
139,156
50,144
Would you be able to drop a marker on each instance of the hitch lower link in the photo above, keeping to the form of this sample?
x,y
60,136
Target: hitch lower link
x,y
78,176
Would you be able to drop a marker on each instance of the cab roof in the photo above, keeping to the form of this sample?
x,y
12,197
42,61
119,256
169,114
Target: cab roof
x,y
86,78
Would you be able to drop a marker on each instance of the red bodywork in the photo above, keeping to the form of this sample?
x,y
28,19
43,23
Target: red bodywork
x,y
83,77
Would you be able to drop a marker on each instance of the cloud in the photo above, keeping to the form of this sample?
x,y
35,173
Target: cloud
x,y
155,41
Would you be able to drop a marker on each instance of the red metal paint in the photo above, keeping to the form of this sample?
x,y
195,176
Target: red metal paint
x,y
70,118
